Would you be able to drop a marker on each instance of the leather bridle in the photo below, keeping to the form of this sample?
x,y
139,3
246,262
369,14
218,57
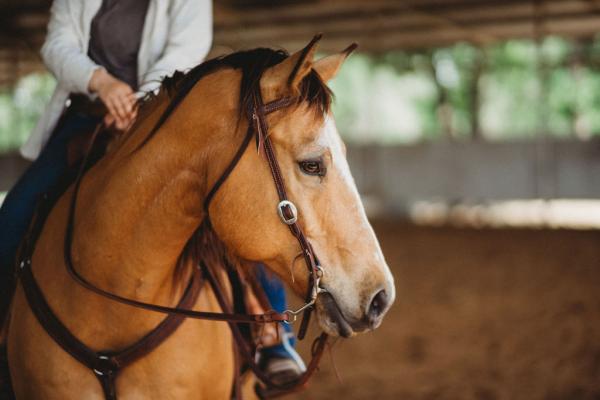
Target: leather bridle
x,y
287,211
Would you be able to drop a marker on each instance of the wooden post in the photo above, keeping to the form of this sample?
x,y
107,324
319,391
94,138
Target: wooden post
x,y
443,108
474,102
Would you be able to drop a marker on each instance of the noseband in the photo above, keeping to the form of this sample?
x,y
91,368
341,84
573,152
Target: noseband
x,y
288,214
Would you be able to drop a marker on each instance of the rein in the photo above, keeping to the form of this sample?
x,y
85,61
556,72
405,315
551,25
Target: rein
x,y
288,214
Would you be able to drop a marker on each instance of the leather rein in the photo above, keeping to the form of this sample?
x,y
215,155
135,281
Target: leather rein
x,y
257,128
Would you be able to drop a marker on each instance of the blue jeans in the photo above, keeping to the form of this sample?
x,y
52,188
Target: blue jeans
x,y
41,176
275,292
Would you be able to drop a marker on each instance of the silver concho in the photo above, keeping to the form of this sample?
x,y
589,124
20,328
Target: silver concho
x,y
286,203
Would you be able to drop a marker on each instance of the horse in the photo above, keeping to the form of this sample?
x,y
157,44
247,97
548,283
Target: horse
x,y
139,219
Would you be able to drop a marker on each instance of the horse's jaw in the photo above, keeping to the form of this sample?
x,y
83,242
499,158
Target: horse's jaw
x,y
331,319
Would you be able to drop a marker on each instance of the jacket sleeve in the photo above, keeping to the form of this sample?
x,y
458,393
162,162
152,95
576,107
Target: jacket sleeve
x,y
63,51
189,41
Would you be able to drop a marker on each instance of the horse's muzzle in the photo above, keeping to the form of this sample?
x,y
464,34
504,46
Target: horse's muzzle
x,y
335,322
334,318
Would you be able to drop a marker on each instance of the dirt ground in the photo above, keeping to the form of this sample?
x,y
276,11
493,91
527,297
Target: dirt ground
x,y
479,314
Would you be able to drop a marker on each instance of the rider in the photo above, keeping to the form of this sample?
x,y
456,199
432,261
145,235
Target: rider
x,y
104,53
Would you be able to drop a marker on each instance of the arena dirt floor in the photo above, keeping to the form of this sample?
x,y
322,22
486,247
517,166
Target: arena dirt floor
x,y
480,314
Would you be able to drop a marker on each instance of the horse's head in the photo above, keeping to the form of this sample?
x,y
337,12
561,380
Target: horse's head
x,y
359,285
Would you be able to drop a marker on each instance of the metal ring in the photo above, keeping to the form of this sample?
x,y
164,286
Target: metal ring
x,y
287,203
293,317
319,271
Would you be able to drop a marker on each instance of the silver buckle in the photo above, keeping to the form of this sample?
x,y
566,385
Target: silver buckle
x,y
287,203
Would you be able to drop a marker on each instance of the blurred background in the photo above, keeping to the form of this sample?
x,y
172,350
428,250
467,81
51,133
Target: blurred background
x,y
473,132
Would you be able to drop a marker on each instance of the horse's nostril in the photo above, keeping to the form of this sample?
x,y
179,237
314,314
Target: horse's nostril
x,y
378,305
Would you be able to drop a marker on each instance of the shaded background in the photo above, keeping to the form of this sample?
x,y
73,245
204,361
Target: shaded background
x,y
473,133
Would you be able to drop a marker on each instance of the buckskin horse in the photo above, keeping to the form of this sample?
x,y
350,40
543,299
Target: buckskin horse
x,y
236,162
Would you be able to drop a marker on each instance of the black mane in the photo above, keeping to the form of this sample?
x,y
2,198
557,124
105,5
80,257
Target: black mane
x,y
252,63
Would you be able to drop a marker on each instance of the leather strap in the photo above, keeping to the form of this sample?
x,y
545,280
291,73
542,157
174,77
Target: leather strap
x,y
268,108
105,365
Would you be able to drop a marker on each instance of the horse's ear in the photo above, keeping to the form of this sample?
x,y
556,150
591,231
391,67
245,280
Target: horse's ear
x,y
289,73
328,67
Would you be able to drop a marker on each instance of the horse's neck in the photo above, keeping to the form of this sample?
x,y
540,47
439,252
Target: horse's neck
x,y
137,210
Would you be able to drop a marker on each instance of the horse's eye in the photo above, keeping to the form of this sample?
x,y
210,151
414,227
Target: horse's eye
x,y
313,167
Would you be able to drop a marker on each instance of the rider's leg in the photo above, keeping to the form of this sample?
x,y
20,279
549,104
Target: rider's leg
x,y
281,360
19,205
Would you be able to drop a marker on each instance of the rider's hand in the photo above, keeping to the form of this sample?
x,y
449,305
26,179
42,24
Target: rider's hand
x,y
117,96
121,125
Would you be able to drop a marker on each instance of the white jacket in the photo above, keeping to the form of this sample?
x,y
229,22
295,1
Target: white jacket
x,y
177,35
